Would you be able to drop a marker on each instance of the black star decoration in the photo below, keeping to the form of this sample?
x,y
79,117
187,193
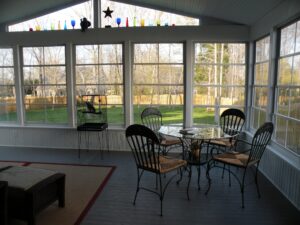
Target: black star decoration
x,y
107,12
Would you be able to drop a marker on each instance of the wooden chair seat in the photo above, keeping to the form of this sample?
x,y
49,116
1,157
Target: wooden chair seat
x,y
235,159
227,143
168,141
168,164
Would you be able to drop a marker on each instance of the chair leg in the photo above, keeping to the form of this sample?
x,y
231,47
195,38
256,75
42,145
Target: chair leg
x,y
223,171
256,182
107,139
101,150
161,197
243,187
180,178
79,142
189,181
199,174
207,175
138,185
229,177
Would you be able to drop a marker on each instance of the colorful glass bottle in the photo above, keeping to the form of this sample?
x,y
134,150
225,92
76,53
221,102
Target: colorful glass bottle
x,y
65,25
127,23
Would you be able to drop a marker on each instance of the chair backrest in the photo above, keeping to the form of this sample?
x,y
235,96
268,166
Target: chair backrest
x,y
232,121
152,118
144,145
260,141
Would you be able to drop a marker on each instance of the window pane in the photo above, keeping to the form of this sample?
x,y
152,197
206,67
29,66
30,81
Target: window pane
x,y
33,56
232,75
287,40
205,95
45,85
6,57
46,114
205,74
55,75
110,74
6,93
145,95
283,101
145,74
158,79
258,118
204,115
146,53
296,70
260,97
236,53
86,74
115,114
110,54
7,76
170,53
58,20
232,96
86,54
281,125
33,75
293,134
285,71
298,37
263,50
220,53
221,68
261,73
54,55
150,16
170,74
295,103
8,112
99,71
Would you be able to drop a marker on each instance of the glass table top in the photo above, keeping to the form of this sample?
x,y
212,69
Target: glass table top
x,y
200,133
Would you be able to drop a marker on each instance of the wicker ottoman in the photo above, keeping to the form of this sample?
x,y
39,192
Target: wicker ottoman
x,y
31,190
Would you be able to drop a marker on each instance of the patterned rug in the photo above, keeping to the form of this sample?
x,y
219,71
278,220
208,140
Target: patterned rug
x,y
84,183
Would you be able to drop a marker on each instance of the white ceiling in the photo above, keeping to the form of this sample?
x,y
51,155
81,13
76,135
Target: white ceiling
x,y
234,11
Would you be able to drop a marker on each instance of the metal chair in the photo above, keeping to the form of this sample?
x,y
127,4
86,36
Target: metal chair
x,y
231,121
152,118
145,145
244,159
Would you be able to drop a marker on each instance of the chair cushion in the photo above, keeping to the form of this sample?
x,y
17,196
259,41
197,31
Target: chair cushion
x,y
168,164
24,177
236,159
168,141
223,142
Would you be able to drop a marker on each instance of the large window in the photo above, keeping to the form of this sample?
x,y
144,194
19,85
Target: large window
x,y
58,20
287,112
7,86
158,80
219,80
140,16
99,70
260,87
44,83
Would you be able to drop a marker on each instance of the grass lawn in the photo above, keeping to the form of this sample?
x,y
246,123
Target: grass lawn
x,y
115,115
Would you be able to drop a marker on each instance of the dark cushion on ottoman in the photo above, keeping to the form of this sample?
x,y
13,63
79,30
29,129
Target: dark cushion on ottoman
x,y
30,190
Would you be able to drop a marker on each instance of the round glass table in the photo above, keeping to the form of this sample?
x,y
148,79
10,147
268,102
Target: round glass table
x,y
195,144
